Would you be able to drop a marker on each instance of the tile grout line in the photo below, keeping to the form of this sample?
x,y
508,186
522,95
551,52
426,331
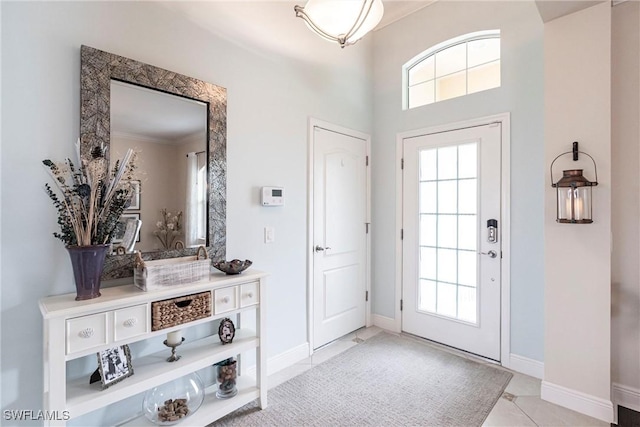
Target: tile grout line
x,y
523,411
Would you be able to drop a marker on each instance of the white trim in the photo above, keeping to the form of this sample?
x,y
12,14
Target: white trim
x,y
595,407
386,323
524,365
313,123
505,188
623,395
283,360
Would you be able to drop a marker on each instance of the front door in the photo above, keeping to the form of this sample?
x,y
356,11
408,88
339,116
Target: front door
x,y
451,243
339,234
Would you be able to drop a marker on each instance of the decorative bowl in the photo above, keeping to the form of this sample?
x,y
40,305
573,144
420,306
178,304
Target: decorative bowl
x,y
232,267
174,401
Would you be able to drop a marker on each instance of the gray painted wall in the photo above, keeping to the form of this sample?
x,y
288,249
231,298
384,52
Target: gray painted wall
x,y
520,94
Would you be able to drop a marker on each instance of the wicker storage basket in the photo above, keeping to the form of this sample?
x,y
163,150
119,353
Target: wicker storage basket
x,y
161,273
177,311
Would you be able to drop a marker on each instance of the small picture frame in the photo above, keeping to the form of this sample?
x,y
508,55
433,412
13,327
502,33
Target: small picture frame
x,y
226,331
121,228
135,198
114,365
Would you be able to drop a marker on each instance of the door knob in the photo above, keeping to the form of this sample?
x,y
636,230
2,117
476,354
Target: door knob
x,y
320,248
492,254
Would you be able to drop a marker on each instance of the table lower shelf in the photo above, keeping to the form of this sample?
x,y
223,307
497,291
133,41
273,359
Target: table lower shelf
x,y
151,371
212,408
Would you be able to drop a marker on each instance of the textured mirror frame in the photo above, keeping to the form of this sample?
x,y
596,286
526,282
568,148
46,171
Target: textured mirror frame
x,y
98,68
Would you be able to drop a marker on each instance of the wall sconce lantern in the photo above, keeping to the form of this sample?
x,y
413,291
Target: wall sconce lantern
x,y
574,201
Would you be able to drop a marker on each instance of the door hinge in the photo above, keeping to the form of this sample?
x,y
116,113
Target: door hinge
x,y
366,295
401,305
401,163
367,161
402,234
366,224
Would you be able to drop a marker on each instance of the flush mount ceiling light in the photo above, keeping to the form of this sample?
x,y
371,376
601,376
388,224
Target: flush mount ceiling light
x,y
341,21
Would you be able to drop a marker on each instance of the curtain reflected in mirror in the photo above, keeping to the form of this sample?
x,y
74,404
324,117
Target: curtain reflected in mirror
x,y
170,134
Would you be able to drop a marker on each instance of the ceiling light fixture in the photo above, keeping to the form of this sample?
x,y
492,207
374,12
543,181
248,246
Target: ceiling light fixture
x,y
341,21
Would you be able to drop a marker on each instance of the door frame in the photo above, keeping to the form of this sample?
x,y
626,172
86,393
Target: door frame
x,y
313,123
505,189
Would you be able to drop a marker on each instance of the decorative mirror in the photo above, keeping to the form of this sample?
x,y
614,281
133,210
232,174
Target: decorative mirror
x,y
126,103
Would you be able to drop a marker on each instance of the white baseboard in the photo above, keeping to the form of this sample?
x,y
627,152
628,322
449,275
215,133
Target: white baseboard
x,y
526,366
385,323
283,360
581,402
626,396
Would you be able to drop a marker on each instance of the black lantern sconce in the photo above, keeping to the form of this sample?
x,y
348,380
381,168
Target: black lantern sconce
x,y
574,201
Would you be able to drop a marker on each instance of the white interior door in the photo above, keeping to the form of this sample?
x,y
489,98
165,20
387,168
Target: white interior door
x,y
339,234
451,256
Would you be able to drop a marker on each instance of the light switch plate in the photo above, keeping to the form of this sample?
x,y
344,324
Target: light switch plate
x,y
269,234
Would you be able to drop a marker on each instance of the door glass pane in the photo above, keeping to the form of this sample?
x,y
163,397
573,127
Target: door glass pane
x,y
428,263
447,263
467,232
428,201
447,197
447,299
428,165
468,200
467,268
468,160
448,231
428,230
427,301
448,162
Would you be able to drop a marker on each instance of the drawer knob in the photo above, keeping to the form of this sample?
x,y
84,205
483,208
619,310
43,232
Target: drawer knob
x,y
130,323
225,300
86,333
249,294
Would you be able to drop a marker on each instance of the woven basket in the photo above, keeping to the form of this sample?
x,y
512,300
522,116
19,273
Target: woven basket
x,y
181,310
161,273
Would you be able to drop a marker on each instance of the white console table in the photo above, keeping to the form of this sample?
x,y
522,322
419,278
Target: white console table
x,y
122,315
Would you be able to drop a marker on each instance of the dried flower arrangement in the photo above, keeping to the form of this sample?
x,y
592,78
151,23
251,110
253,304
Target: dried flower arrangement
x,y
169,228
93,197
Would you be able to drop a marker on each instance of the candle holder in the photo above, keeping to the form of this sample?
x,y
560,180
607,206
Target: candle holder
x,y
174,357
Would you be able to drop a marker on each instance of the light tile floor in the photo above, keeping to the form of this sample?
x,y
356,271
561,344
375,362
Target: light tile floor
x,y
520,405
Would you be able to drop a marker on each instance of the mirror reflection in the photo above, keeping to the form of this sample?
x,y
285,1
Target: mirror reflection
x,y
170,133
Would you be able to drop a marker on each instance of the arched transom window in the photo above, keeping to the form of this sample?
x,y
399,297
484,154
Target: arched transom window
x,y
456,67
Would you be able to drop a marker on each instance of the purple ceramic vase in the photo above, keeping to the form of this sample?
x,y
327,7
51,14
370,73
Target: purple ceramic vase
x,y
87,263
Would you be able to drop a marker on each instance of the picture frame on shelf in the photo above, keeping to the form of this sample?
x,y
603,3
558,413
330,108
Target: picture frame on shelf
x,y
114,365
135,198
121,229
226,331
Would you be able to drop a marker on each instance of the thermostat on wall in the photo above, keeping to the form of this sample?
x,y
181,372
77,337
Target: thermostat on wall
x,y
272,196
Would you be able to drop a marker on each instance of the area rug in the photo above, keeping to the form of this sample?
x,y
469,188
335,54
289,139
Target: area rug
x,y
387,380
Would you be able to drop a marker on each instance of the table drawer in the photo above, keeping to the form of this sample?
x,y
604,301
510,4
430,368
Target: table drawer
x,y
226,299
249,294
130,322
86,332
